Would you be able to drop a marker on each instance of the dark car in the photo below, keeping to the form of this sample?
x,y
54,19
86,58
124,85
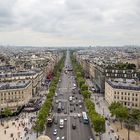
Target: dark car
x,y
65,111
55,120
73,125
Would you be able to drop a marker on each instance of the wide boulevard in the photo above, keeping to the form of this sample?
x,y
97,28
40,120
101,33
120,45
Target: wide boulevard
x,y
70,110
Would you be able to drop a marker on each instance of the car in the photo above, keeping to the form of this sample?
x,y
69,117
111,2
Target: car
x,y
63,107
90,138
65,111
75,116
79,115
79,101
62,138
56,101
55,120
65,119
74,101
55,132
57,138
80,106
56,94
73,125
70,98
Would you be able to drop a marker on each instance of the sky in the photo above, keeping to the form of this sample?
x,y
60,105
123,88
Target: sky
x,y
69,22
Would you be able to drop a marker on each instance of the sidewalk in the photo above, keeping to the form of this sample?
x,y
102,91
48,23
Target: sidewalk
x,y
16,129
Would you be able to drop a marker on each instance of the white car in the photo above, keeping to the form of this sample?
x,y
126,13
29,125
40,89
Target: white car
x,y
62,138
55,132
57,138
56,94
65,119
70,98
80,106
56,101
79,101
79,115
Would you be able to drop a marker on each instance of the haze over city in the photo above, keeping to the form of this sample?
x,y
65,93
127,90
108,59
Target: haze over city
x,y
69,22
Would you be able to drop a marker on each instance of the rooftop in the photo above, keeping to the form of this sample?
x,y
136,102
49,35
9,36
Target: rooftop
x,y
14,85
20,73
119,83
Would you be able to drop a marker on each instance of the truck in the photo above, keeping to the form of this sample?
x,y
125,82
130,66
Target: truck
x,y
50,119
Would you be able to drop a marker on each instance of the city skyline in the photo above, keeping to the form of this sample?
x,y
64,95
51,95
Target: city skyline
x,y
69,23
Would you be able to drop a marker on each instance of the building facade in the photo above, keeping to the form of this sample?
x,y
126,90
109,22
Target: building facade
x,y
126,92
36,77
15,94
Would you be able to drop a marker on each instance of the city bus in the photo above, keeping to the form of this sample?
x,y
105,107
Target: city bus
x,y
59,107
85,118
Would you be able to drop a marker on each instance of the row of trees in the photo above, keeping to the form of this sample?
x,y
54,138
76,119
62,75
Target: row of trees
x,y
97,120
129,117
47,106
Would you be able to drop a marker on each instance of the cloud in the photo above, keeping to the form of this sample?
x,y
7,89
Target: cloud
x,y
72,21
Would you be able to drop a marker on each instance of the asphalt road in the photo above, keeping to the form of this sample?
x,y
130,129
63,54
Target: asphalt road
x,y
64,90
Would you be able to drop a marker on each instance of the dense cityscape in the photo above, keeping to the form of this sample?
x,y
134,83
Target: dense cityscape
x,y
69,70
75,93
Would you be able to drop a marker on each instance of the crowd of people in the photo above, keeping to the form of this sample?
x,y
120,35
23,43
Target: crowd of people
x,y
19,128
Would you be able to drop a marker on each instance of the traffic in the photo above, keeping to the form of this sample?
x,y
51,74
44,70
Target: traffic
x,y
68,119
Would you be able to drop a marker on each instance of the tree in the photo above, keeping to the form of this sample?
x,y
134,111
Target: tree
x,y
121,114
99,124
84,87
78,74
7,113
86,94
81,81
113,106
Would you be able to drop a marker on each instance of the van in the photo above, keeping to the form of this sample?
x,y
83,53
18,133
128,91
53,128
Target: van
x,y
61,123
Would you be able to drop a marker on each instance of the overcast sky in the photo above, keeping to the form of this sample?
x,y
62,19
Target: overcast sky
x,y
69,22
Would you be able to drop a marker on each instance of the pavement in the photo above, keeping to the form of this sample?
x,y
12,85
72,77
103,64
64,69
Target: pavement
x,y
17,124
16,128
101,107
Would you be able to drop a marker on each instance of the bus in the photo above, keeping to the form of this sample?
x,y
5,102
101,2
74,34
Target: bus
x,y
59,107
85,118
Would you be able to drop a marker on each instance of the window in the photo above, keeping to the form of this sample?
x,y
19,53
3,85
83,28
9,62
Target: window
x,y
122,98
136,94
118,92
128,93
128,98
125,93
122,93
136,99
